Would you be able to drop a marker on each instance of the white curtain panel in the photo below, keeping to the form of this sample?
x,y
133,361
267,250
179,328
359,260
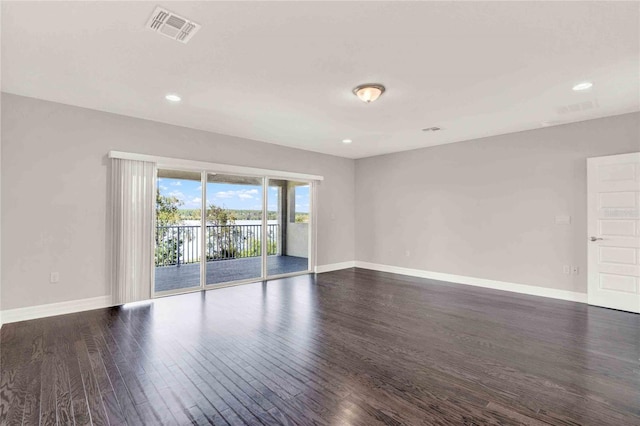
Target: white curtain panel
x,y
133,192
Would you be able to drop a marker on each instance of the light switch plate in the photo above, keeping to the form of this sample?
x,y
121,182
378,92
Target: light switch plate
x,y
563,220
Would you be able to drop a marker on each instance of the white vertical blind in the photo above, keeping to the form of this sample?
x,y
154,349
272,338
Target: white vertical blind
x,y
132,218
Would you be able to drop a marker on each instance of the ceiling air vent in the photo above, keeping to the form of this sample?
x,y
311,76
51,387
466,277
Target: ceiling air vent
x,y
171,25
432,129
579,107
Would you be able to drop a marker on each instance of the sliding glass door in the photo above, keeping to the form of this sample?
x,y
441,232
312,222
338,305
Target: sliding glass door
x,y
178,239
290,216
216,229
234,228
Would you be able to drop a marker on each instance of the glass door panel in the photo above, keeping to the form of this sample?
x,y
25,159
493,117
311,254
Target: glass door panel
x,y
178,239
289,226
233,228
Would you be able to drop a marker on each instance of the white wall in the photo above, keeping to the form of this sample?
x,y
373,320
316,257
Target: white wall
x,y
298,239
1,322
482,208
54,180
486,208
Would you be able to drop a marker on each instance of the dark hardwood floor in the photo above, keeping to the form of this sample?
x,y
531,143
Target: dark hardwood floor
x,y
351,347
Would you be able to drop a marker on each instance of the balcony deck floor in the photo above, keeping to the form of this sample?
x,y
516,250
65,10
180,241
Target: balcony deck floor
x,y
223,271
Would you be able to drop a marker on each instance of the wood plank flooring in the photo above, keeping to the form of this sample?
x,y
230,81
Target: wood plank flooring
x,y
351,347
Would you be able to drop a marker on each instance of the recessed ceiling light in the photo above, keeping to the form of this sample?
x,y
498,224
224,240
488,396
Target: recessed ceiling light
x,y
172,97
585,85
346,141
369,92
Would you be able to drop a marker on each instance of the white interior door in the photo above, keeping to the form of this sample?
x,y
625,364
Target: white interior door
x,y
614,231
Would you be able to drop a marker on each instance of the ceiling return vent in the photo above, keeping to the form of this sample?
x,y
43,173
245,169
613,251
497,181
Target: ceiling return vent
x,y
580,107
171,25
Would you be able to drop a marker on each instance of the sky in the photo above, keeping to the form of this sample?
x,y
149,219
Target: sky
x,y
230,196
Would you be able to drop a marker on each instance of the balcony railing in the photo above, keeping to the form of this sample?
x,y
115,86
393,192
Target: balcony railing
x,y
181,244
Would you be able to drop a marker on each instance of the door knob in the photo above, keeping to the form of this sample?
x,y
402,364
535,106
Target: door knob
x,y
596,239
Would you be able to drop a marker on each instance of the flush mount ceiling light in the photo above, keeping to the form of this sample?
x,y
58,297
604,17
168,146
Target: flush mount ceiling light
x,y
585,85
346,141
172,97
369,92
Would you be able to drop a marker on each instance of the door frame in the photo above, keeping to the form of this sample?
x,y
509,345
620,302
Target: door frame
x,y
592,225
164,293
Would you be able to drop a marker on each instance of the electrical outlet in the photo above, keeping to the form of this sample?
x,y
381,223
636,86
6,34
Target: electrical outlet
x,y
55,277
566,269
574,270
407,253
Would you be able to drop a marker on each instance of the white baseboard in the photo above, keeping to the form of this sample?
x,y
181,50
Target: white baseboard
x,y
61,308
478,282
334,267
